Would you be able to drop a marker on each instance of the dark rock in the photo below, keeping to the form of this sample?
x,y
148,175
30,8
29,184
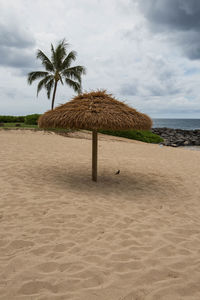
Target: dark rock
x,y
178,137
180,142
1,124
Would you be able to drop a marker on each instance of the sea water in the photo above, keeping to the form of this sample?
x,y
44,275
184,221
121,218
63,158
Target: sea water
x,y
187,124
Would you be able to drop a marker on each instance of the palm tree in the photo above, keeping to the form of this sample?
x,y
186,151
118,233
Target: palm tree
x,y
58,68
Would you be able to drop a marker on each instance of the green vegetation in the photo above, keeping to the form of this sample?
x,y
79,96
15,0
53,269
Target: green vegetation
x,y
144,136
19,125
31,119
31,123
58,68
35,127
11,119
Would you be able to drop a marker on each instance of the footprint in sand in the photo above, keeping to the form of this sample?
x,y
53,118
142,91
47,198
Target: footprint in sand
x,y
3,243
72,267
48,230
127,266
135,295
63,247
17,244
35,287
177,291
43,250
90,279
48,267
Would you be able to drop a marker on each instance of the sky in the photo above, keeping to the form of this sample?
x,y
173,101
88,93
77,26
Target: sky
x,y
144,52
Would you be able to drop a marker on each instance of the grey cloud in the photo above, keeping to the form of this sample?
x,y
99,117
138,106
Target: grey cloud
x,y
16,58
150,89
173,14
162,90
179,19
159,78
155,90
190,43
178,111
129,89
13,36
16,47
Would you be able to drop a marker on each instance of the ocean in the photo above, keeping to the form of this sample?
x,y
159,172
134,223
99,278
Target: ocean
x,y
187,124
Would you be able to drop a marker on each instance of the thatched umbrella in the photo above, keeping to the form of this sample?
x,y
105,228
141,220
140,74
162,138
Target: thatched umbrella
x,y
93,111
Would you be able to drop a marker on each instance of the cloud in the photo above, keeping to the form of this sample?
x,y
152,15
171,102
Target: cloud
x,y
14,36
179,19
129,89
130,52
172,14
16,46
153,76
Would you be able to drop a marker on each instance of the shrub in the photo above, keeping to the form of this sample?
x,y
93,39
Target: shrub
x,y
140,135
12,119
31,119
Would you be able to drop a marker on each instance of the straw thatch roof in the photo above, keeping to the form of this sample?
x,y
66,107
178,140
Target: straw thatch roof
x,y
95,110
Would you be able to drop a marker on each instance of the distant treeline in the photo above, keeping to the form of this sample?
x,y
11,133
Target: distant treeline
x,y
12,119
144,136
29,119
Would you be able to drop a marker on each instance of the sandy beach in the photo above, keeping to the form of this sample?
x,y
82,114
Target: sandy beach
x,y
131,236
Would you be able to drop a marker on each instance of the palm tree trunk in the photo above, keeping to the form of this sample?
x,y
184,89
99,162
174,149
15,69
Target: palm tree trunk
x,y
54,93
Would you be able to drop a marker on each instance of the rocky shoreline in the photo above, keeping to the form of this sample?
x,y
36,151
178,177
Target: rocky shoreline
x,y
178,137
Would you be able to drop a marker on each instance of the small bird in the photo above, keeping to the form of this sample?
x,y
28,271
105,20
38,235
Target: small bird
x,y
117,172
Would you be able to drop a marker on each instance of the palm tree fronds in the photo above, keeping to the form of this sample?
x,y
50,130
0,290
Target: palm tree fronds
x,y
73,84
78,69
53,55
36,75
59,54
61,50
45,61
68,60
43,83
60,77
49,86
74,73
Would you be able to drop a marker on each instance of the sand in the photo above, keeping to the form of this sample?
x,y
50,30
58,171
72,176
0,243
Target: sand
x,y
130,236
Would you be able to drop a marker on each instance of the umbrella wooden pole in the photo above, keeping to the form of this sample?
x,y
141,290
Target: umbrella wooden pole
x,y
94,155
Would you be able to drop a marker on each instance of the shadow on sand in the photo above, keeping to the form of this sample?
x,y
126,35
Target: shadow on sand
x,y
127,184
